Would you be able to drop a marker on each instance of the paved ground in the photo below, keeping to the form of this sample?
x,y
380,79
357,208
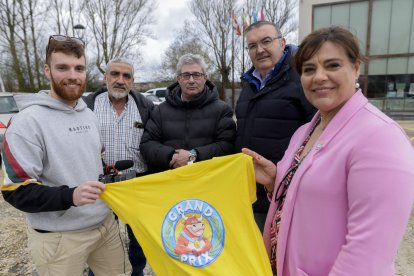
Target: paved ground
x,y
405,258
409,128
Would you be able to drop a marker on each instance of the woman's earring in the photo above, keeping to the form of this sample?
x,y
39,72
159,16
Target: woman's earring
x,y
357,85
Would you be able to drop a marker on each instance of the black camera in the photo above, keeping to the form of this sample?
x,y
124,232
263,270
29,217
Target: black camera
x,y
116,177
112,175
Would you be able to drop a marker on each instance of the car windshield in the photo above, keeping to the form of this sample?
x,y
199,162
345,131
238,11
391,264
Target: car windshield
x,y
160,93
8,105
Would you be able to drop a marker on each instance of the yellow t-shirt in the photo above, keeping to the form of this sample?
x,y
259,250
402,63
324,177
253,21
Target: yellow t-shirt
x,y
195,220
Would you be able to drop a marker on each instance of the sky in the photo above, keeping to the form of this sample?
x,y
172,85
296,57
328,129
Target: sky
x,y
169,16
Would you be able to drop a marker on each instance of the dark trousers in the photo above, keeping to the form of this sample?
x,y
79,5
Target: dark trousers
x,y
135,254
260,219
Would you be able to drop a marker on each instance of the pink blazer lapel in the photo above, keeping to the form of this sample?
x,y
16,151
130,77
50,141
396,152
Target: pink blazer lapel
x,y
356,102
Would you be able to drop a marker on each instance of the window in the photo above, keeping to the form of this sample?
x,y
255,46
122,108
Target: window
x,y
391,66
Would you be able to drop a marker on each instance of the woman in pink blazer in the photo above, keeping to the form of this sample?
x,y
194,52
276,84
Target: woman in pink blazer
x,y
342,195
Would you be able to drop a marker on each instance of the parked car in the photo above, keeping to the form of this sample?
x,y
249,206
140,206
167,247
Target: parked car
x,y
154,99
159,92
86,93
8,108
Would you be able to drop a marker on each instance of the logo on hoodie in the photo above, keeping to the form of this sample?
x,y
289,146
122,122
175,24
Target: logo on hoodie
x,y
80,129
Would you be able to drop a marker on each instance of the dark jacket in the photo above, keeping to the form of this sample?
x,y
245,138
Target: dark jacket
x,y
267,118
204,124
144,106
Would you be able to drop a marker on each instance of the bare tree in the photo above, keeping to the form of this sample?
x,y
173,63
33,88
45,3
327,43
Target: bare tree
x,y
119,27
21,65
26,43
63,15
280,12
184,43
215,18
58,7
34,36
8,29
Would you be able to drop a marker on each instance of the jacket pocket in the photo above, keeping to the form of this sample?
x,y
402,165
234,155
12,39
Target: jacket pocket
x,y
44,247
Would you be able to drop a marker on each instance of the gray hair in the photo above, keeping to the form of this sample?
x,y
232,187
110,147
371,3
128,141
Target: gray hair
x,y
259,24
120,60
191,59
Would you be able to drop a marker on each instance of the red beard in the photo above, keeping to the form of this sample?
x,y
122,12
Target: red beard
x,y
66,93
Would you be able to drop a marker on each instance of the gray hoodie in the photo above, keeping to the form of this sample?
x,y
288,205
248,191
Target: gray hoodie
x,y
49,143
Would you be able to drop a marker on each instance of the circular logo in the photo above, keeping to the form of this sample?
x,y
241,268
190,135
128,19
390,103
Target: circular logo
x,y
193,233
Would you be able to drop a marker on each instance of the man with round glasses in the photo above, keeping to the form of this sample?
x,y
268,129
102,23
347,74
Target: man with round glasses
x,y
192,125
272,104
52,160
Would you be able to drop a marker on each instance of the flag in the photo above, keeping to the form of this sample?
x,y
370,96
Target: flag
x,y
236,26
244,23
262,16
254,15
195,220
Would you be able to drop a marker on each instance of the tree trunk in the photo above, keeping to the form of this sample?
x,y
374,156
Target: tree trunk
x,y
37,68
25,42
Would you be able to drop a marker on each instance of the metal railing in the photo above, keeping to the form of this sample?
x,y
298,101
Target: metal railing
x,y
395,107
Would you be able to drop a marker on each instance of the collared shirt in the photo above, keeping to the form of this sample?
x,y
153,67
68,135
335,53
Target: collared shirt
x,y
120,135
257,75
271,72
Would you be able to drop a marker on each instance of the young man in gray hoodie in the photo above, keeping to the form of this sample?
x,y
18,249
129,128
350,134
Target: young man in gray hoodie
x,y
52,161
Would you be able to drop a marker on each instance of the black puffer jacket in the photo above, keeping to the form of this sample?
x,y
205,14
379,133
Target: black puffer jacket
x,y
267,119
204,124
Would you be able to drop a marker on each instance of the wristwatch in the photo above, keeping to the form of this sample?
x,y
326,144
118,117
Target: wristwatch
x,y
192,156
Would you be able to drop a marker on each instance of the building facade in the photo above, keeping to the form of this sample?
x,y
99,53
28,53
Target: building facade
x,y
385,29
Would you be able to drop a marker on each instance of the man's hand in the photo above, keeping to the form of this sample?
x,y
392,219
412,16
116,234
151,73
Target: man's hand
x,y
264,169
179,159
87,192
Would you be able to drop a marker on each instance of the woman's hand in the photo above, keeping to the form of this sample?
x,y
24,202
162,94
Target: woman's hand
x,y
264,169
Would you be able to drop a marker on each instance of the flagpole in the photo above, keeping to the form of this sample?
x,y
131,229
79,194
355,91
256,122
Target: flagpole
x,y
243,54
243,43
232,67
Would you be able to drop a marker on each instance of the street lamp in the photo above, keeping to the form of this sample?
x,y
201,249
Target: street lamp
x,y
79,30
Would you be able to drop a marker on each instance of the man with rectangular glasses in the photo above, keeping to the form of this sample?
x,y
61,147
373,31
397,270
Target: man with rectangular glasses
x,y
52,160
272,104
192,125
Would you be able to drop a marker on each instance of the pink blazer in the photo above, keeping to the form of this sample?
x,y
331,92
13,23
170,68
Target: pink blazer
x,y
349,202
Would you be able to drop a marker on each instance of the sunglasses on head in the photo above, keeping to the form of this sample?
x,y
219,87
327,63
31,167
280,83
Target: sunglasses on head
x,y
63,38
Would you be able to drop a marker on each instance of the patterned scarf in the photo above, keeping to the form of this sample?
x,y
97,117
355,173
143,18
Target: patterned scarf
x,y
280,199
